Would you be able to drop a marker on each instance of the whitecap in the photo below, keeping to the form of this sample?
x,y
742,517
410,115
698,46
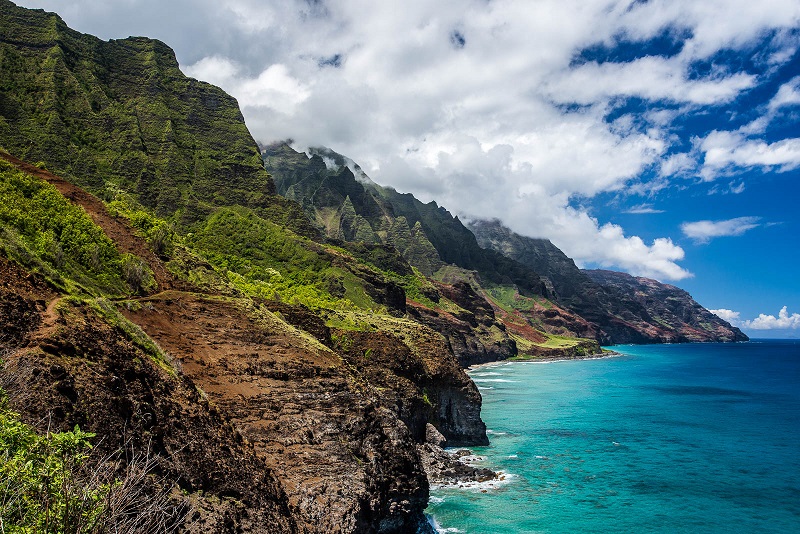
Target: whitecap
x,y
440,529
479,487
494,380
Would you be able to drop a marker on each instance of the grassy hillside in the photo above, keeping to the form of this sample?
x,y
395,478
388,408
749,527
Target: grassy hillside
x,y
185,303
120,115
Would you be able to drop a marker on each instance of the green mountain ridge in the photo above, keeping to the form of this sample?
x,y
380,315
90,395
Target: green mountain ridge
x,y
322,191
359,210
290,363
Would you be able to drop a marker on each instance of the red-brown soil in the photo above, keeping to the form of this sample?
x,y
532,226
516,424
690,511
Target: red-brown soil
x,y
118,230
304,411
264,426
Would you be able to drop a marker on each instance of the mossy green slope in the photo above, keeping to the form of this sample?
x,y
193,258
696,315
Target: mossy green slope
x,y
44,232
427,235
121,114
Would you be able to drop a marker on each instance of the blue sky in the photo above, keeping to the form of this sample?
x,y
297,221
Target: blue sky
x,y
744,260
656,137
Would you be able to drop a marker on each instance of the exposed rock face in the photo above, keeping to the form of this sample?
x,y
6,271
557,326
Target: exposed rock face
x,y
474,334
619,307
279,437
422,383
411,369
70,368
344,460
660,312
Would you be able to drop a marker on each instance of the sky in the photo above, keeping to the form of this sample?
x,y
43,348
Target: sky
x,y
656,137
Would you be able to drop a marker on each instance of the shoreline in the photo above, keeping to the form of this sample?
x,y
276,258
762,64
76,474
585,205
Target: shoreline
x,y
544,359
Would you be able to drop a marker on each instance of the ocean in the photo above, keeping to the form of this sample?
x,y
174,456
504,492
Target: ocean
x,y
661,439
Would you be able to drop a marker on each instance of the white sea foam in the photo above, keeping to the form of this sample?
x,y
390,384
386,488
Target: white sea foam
x,y
495,433
486,366
472,459
502,479
495,380
511,456
442,530
436,500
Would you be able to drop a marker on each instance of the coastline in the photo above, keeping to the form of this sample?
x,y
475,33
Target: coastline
x,y
581,458
544,359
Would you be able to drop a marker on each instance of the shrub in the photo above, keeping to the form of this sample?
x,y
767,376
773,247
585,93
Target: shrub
x,y
53,484
137,274
40,486
44,231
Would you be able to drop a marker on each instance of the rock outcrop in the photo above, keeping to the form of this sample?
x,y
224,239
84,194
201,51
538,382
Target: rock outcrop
x,y
473,332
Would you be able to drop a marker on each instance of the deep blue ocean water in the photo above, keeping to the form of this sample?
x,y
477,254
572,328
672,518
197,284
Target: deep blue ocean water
x,y
663,439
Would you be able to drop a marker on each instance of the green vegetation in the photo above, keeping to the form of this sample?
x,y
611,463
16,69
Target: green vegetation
x,y
46,233
576,347
43,486
56,484
261,259
121,112
425,399
509,299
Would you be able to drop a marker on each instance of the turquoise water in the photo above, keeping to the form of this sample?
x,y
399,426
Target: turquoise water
x,y
663,439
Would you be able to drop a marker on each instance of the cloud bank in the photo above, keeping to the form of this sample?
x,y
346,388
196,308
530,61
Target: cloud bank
x,y
508,109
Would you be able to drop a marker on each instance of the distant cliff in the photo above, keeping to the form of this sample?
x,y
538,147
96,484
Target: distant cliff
x,y
623,308
659,312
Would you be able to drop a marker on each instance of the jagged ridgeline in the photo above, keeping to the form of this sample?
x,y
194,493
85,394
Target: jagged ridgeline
x,y
345,204
120,114
349,206
195,308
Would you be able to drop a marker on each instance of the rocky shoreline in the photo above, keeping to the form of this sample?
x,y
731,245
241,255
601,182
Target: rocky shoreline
x,y
545,359
450,468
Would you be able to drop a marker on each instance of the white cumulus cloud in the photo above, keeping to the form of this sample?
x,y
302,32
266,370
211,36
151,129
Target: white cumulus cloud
x,y
652,78
705,231
726,151
788,94
771,322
